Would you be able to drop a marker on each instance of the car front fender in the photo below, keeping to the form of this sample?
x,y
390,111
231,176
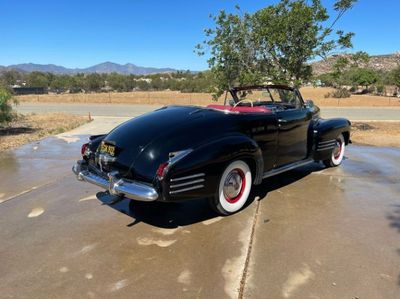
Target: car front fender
x,y
327,130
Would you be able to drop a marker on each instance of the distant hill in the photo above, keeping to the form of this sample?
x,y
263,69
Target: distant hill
x,y
106,67
378,62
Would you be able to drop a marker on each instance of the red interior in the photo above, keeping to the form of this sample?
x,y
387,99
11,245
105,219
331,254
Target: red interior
x,y
241,109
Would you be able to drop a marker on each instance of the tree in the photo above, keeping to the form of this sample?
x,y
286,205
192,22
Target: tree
x,y
76,83
38,79
339,67
93,82
274,44
396,76
116,81
5,107
327,79
363,77
10,77
60,82
360,59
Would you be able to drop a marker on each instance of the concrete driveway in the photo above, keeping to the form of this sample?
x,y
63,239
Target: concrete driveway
x,y
309,233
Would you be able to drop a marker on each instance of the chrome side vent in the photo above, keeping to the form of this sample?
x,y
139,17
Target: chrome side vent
x,y
186,183
326,145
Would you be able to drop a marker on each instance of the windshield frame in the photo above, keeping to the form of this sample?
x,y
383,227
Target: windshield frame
x,y
234,91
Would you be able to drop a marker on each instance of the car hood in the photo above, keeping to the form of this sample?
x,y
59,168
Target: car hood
x,y
144,142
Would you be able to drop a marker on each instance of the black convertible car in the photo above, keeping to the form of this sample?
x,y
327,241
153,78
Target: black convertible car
x,y
219,152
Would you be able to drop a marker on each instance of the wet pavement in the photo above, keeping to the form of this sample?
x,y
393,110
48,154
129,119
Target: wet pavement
x,y
308,233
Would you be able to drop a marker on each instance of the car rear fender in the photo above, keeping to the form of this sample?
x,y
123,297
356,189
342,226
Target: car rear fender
x,y
208,161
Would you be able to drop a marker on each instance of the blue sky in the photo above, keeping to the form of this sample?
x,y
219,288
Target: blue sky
x,y
149,32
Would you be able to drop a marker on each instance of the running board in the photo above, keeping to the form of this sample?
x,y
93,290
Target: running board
x,y
287,168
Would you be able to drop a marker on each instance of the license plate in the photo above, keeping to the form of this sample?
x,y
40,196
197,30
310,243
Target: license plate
x,y
107,149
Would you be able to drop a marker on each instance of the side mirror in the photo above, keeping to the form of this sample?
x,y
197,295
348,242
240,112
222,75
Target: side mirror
x,y
309,104
231,102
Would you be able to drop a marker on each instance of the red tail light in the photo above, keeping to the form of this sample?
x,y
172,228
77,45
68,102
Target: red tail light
x,y
84,148
161,170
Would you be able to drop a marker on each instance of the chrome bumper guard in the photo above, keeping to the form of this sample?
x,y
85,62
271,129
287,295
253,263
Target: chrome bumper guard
x,y
116,186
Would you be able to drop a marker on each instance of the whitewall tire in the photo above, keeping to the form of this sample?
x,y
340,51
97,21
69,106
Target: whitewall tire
x,y
337,153
233,189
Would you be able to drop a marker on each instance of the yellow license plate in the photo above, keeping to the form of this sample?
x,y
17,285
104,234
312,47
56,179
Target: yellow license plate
x,y
107,149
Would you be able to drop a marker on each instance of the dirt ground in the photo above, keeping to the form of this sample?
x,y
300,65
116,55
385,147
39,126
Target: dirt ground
x,y
32,127
174,97
376,133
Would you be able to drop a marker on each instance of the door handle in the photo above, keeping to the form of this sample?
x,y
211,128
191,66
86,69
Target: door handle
x,y
282,121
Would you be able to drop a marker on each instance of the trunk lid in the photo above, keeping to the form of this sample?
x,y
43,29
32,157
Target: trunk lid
x,y
132,137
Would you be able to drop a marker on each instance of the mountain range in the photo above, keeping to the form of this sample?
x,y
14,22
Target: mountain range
x,y
105,67
377,62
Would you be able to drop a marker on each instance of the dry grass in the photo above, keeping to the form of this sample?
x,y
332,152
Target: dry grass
x,y
318,96
175,97
376,133
137,97
32,127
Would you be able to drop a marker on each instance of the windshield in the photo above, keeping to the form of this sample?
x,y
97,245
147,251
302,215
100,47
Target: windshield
x,y
272,97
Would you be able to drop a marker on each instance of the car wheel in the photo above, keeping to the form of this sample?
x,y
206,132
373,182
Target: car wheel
x,y
233,189
337,153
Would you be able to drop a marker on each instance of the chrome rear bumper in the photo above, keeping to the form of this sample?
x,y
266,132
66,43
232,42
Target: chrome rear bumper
x,y
114,185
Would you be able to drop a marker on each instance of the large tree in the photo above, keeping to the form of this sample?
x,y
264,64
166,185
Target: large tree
x,y
273,44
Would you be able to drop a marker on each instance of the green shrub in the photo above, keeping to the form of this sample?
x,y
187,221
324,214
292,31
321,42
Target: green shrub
x,y
371,89
380,89
6,114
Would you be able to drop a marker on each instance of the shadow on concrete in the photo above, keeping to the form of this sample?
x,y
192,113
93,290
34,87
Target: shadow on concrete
x,y
172,215
394,222
16,131
394,218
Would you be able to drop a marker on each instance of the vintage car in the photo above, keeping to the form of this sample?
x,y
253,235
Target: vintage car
x,y
217,152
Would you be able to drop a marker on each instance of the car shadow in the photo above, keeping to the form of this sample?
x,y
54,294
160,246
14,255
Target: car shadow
x,y
175,214
394,222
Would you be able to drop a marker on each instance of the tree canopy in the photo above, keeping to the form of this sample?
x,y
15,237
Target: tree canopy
x,y
272,44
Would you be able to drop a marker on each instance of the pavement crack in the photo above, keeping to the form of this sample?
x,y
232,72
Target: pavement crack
x,y
248,255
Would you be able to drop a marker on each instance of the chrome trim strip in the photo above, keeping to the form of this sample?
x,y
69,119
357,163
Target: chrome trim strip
x,y
187,177
287,168
186,189
325,148
116,186
326,145
187,183
327,141
176,156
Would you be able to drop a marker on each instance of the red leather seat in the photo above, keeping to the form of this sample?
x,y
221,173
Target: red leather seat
x,y
241,109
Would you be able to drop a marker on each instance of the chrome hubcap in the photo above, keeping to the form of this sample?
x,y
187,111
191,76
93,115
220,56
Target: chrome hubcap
x,y
338,149
233,184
